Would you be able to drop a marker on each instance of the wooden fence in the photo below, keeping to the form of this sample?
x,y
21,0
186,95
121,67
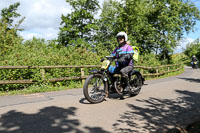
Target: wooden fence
x,y
158,71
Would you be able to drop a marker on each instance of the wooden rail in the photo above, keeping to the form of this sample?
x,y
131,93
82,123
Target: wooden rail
x,y
82,76
46,67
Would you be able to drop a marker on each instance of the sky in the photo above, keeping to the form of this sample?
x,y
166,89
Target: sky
x,y
43,19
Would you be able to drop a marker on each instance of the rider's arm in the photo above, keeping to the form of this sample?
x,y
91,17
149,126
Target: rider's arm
x,y
114,53
125,57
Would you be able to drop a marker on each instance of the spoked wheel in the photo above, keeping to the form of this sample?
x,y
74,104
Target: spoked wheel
x,y
118,87
136,84
95,88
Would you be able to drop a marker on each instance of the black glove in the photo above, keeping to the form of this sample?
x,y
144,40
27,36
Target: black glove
x,y
102,59
120,60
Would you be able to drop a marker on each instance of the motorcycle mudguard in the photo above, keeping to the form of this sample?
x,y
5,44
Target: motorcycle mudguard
x,y
137,72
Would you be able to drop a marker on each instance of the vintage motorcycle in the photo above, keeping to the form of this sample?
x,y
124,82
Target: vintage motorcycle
x,y
194,64
98,85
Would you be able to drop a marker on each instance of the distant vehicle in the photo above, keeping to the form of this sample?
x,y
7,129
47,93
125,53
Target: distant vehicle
x,y
194,64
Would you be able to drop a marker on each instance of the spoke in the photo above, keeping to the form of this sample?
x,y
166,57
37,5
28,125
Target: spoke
x,y
97,92
96,84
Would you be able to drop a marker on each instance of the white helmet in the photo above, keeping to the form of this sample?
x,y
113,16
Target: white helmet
x,y
123,34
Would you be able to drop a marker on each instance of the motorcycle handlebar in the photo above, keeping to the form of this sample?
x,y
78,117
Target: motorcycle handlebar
x,y
111,58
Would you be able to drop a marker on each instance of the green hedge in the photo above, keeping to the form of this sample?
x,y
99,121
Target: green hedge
x,y
38,52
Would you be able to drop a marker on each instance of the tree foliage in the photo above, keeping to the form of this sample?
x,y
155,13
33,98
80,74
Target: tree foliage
x,y
159,24
8,30
155,26
9,14
193,49
79,25
108,21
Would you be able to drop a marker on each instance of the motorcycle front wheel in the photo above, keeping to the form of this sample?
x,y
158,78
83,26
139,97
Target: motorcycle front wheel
x,y
95,89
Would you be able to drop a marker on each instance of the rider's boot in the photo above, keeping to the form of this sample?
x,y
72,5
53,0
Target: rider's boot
x,y
128,87
112,88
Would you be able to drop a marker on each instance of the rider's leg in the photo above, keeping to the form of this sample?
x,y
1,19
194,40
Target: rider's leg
x,y
125,71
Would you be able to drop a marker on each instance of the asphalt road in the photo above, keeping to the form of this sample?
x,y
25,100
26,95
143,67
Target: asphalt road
x,y
162,104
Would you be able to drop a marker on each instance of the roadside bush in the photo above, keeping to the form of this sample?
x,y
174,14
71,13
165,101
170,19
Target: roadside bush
x,y
38,52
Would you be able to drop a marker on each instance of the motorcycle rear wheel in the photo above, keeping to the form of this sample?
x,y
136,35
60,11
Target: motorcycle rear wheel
x,y
95,89
136,84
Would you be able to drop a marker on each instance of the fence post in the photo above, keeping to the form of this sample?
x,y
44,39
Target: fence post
x,y
82,75
180,66
42,71
168,70
157,71
142,71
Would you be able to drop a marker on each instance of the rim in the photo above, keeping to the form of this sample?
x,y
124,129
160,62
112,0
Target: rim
x,y
96,88
118,87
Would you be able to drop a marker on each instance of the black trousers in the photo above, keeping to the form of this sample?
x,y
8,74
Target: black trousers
x,y
124,72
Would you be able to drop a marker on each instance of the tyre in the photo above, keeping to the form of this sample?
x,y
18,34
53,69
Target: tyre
x,y
118,86
136,84
95,88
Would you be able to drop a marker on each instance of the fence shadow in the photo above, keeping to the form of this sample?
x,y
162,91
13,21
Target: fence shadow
x,y
47,120
191,80
160,115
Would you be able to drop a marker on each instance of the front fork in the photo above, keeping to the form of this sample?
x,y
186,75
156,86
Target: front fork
x,y
99,82
106,81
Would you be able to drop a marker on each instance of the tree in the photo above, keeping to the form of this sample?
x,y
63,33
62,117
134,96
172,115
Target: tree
x,y
171,19
108,20
105,39
9,14
157,26
193,49
80,25
8,30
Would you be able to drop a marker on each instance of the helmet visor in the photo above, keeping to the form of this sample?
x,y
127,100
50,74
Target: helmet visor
x,y
120,37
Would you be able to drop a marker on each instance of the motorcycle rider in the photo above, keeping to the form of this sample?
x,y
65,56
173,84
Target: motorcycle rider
x,y
194,59
123,54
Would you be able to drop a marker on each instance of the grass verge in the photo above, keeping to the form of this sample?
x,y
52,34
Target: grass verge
x,y
166,75
42,88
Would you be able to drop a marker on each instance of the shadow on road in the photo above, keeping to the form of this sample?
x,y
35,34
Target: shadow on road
x,y
191,80
111,96
159,115
84,101
48,120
